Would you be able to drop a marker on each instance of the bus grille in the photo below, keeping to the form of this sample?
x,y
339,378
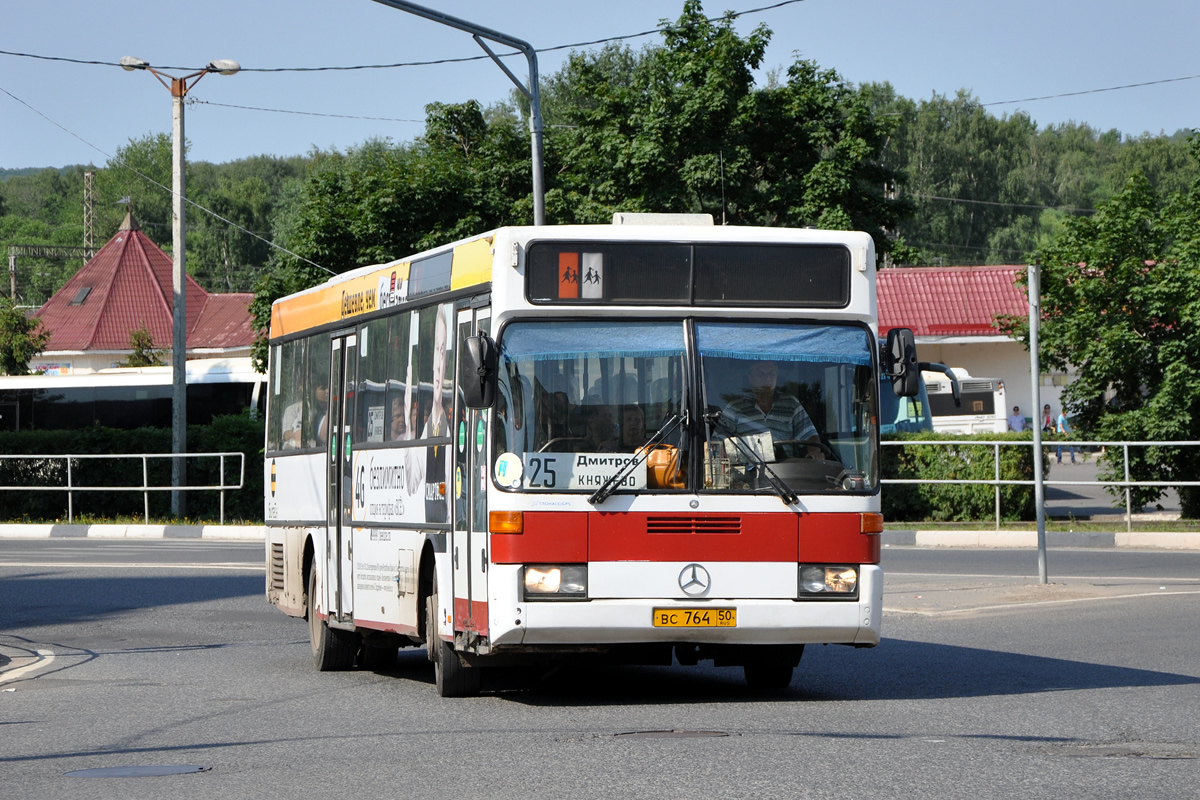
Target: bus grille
x,y
277,568
681,524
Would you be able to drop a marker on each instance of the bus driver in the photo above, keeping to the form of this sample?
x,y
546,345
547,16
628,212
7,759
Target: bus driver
x,y
763,407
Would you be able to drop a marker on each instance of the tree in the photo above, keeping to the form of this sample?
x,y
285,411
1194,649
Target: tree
x,y
379,201
21,339
1121,303
144,353
682,128
141,171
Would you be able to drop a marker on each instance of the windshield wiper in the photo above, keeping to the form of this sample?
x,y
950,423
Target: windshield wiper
x,y
640,455
781,488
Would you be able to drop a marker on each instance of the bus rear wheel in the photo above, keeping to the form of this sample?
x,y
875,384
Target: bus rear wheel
x,y
452,677
332,649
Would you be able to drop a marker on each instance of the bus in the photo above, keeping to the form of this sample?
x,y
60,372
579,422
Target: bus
x,y
899,414
976,405
637,443
129,397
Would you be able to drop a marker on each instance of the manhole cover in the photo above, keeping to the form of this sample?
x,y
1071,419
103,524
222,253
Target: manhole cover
x,y
137,772
670,734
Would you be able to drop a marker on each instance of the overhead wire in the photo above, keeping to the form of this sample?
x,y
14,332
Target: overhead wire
x,y
167,189
438,61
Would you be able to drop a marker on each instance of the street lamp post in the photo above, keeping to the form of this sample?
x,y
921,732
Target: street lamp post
x,y
531,92
179,88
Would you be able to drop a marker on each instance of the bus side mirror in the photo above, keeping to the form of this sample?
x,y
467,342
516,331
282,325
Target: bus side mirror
x,y
477,371
900,362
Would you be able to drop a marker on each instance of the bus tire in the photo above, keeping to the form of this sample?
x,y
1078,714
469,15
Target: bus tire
x,y
768,675
332,649
452,677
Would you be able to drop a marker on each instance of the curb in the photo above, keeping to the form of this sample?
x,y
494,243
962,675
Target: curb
x,y
1028,539
251,533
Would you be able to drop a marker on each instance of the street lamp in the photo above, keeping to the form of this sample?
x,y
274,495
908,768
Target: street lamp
x,y
531,92
179,87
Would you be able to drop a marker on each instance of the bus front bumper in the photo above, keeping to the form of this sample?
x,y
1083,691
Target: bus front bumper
x,y
758,621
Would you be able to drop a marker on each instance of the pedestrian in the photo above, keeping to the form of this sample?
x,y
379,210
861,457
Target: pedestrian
x,y
1047,419
1064,430
1016,422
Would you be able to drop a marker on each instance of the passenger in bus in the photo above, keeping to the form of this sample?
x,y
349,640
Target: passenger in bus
x,y
763,407
399,428
600,435
320,410
552,418
302,418
293,424
633,431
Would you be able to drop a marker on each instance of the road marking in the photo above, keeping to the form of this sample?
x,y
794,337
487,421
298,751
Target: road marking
x,y
1028,577
45,658
1003,606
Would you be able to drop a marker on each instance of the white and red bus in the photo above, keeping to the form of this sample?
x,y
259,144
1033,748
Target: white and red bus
x,y
637,442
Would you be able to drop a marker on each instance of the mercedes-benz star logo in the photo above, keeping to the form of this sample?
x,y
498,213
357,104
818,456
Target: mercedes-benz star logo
x,y
694,580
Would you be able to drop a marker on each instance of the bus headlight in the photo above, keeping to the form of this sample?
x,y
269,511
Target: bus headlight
x,y
816,579
549,582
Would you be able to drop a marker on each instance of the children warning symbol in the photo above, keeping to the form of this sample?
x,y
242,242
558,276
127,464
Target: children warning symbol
x,y
591,284
568,276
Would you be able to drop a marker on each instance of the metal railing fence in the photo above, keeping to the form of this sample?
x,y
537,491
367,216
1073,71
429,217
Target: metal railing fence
x,y
71,487
997,481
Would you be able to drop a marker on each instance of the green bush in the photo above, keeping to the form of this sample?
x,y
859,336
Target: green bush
x,y
943,502
234,433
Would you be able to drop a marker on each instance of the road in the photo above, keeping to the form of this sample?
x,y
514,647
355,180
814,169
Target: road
x,y
987,684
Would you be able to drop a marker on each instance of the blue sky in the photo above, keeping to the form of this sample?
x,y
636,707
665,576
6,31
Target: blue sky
x,y
997,51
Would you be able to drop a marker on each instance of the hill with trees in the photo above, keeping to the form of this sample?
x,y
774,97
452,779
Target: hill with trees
x,y
676,126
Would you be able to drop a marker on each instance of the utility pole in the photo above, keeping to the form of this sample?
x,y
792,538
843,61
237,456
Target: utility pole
x,y
1035,372
179,88
89,211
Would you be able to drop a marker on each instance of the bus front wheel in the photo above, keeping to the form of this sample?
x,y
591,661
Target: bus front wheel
x,y
332,649
452,677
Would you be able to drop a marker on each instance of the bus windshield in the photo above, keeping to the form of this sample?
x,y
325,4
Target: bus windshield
x,y
773,407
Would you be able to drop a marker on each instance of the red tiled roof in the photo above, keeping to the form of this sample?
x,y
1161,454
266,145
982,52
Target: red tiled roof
x,y
130,288
224,322
949,301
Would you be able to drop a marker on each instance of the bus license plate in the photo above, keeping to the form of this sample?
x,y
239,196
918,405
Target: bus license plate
x,y
695,617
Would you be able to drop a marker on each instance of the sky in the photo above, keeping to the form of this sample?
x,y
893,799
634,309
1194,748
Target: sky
x,y
56,113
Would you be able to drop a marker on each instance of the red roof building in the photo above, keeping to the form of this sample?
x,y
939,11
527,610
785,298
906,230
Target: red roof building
x,y
949,301
953,312
125,287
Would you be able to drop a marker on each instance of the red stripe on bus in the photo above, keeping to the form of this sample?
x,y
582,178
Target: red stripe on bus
x,y
471,614
567,537
550,537
692,537
391,627
836,539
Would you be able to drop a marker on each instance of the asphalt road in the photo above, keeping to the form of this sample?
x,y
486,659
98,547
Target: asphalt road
x,y
166,653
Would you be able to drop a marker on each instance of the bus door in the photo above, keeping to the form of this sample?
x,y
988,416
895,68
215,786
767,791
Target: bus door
x,y
469,545
339,425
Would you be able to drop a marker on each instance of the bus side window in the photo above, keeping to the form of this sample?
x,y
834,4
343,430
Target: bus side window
x,y
316,400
